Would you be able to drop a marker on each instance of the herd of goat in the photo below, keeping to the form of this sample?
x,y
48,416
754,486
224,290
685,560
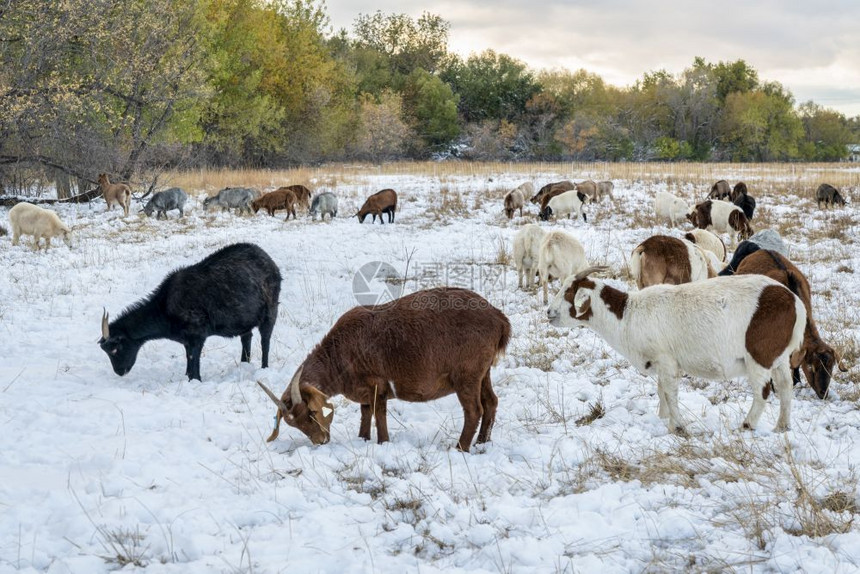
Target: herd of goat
x,y
752,315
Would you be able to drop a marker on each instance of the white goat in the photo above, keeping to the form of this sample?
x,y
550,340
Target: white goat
x,y
527,243
667,206
565,204
726,327
708,241
29,219
560,255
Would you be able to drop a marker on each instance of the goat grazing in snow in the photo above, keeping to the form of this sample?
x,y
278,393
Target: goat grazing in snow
x,y
663,259
667,206
551,189
282,198
227,294
325,202
567,203
29,219
514,200
717,329
418,348
118,193
302,194
560,255
722,216
384,201
238,198
828,195
818,358
527,244
164,201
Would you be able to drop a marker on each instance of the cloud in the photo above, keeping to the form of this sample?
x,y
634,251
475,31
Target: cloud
x,y
809,47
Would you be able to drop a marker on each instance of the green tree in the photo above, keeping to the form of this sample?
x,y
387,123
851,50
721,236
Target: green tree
x,y
490,86
827,133
406,43
733,77
761,125
433,105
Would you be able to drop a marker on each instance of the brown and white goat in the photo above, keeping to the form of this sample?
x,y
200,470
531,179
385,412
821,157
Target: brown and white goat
x,y
418,348
282,198
663,259
723,217
384,201
551,189
718,329
817,357
118,193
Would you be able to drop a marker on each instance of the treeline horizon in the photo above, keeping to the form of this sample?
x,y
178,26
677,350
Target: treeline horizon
x,y
151,85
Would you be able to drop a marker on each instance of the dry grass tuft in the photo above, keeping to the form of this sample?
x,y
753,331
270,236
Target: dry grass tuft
x,y
597,411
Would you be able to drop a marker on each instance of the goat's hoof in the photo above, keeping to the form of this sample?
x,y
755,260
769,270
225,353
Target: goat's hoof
x,y
747,426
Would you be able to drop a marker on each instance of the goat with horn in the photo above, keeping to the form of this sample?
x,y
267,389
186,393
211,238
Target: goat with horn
x,y
418,348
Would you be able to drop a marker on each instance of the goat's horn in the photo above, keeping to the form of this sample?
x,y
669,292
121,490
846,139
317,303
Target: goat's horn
x,y
274,398
295,392
841,364
589,270
105,327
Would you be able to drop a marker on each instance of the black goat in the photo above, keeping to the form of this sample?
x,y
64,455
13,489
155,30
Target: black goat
x,y
745,249
227,294
746,202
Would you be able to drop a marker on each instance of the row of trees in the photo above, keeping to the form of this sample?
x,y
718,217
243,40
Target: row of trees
x,y
161,83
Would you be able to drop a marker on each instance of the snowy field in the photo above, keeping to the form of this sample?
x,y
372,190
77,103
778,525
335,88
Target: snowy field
x,y
152,472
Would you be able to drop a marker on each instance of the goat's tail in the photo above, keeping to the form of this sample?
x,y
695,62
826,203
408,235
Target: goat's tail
x,y
504,339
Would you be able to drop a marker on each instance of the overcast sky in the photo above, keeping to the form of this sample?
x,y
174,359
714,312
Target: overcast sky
x,y
812,46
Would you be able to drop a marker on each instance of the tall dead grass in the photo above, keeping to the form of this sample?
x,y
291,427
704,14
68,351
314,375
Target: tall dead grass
x,y
773,178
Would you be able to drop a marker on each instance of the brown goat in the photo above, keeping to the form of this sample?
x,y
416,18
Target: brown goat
x,y
302,193
115,192
551,189
282,198
384,201
418,348
817,358
720,190
514,200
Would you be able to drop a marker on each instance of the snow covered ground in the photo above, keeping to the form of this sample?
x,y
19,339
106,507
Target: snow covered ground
x,y
153,472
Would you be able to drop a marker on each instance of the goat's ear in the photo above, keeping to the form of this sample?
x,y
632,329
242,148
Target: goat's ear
x,y
582,303
318,402
796,358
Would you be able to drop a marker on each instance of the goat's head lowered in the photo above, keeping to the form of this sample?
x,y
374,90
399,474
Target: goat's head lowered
x,y
121,350
306,408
